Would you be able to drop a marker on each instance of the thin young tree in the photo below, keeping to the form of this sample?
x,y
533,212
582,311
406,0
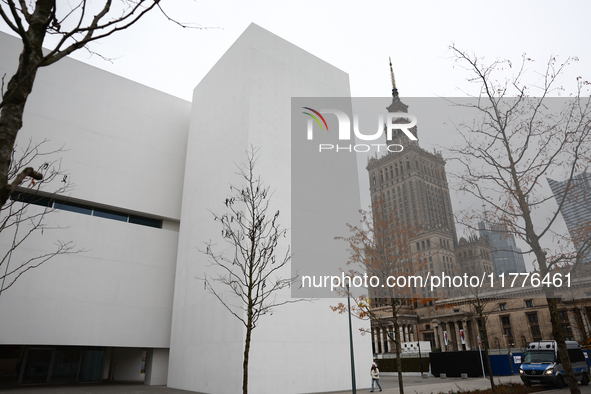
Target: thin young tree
x,y
252,270
380,247
514,142
479,305
482,304
72,25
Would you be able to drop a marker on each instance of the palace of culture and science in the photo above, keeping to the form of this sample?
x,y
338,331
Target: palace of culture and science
x,y
413,184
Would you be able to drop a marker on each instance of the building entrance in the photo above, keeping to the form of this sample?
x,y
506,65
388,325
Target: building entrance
x,y
29,365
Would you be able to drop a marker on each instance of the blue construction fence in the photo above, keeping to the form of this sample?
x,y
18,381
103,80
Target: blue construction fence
x,y
453,364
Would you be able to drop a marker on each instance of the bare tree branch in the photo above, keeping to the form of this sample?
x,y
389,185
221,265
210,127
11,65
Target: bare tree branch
x,y
509,151
381,246
21,218
76,26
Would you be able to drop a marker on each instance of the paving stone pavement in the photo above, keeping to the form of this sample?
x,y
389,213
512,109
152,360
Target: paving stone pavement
x,y
433,385
412,385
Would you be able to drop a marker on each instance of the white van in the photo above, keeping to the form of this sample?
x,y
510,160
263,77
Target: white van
x,y
541,364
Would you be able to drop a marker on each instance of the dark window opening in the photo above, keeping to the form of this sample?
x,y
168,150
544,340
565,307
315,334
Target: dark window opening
x,y
28,198
65,205
107,214
145,221
73,207
566,328
534,326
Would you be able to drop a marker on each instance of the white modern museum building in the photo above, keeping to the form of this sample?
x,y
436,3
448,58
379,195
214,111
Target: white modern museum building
x,y
146,168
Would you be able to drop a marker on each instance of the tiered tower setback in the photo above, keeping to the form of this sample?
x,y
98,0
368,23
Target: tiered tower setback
x,y
413,185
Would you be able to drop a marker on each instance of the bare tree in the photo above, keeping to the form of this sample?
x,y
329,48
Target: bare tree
x,y
74,26
26,212
576,297
482,304
515,141
479,305
380,247
251,272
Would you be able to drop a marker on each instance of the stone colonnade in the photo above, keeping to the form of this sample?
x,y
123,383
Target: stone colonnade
x,y
383,344
452,328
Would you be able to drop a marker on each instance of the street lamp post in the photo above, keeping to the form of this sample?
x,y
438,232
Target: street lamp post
x,y
509,353
354,386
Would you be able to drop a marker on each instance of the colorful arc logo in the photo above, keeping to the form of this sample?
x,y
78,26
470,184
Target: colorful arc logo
x,y
315,118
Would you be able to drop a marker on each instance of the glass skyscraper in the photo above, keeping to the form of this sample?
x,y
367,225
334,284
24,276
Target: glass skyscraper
x,y
576,211
506,255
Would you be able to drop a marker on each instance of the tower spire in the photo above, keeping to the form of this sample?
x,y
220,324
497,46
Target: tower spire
x,y
394,90
397,106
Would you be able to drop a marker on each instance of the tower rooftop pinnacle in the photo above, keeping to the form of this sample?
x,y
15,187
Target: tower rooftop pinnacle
x,y
397,105
394,90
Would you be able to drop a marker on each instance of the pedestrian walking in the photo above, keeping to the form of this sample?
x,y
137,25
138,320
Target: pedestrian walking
x,y
375,377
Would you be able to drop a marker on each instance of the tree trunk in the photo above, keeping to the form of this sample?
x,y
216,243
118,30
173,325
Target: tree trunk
x,y
398,363
486,357
18,89
245,362
562,352
11,120
557,334
533,241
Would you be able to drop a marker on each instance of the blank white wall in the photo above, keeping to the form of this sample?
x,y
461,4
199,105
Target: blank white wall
x,y
125,149
245,99
157,367
124,143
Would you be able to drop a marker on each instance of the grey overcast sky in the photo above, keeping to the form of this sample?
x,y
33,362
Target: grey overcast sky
x,y
355,37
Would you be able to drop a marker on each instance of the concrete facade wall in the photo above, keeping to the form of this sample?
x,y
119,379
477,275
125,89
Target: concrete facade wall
x,y
434,320
157,367
124,149
517,311
124,142
131,148
245,100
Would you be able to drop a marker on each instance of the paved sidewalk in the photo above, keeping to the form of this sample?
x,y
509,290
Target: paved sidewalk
x,y
417,385
412,385
103,388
